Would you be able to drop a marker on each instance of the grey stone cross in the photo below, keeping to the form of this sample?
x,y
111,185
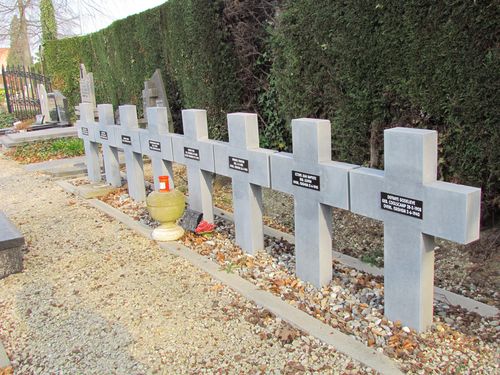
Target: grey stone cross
x,y
196,151
106,133
317,184
129,139
156,143
86,126
414,208
249,167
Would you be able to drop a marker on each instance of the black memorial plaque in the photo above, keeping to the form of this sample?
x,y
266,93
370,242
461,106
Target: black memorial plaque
x,y
155,146
402,205
85,131
238,164
190,220
126,140
305,180
191,153
103,135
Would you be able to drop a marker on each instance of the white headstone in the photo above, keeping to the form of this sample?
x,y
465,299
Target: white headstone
x,y
156,143
196,151
44,102
414,207
317,184
249,167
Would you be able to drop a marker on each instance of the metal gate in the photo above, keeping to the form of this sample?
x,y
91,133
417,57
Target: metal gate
x,y
21,92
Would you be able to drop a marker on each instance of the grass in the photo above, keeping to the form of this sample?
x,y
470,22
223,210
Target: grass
x,y
47,150
6,119
374,257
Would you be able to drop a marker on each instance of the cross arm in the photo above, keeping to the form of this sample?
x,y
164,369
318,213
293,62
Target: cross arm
x,y
452,211
336,182
221,158
365,185
281,163
260,164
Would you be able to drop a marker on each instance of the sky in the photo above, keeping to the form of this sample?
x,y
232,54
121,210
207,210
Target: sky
x,y
114,10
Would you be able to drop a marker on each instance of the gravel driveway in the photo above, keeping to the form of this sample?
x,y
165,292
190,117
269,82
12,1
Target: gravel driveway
x,y
95,298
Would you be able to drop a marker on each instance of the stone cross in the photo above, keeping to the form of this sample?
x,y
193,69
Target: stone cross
x,y
156,143
317,184
44,102
196,151
249,167
128,137
87,91
86,130
414,207
106,134
155,95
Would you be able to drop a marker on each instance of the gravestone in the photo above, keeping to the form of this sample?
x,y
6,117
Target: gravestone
x,y
196,151
248,166
39,119
52,107
44,102
155,95
62,107
87,90
414,207
86,130
106,134
317,184
129,139
156,143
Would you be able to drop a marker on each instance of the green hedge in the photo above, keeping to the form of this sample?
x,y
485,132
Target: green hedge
x,y
373,65
185,39
365,66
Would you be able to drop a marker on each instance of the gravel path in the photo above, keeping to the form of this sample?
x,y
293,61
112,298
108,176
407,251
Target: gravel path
x,y
95,298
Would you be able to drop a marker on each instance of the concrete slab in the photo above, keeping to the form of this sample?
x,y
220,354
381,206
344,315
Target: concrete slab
x,y
78,161
11,242
16,139
10,236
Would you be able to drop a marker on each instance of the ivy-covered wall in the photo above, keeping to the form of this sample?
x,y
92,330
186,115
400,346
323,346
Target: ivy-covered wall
x,y
365,66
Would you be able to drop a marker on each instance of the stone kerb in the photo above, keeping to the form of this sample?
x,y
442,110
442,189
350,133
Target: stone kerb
x,y
317,184
106,133
196,152
128,137
414,207
86,127
249,168
156,143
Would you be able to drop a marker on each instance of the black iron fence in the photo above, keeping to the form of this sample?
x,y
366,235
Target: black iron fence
x,y
21,92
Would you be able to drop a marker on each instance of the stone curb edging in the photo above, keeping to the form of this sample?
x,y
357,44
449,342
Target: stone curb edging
x,y
440,294
297,318
4,359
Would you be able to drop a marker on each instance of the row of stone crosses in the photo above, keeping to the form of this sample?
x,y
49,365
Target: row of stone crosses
x,y
406,196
